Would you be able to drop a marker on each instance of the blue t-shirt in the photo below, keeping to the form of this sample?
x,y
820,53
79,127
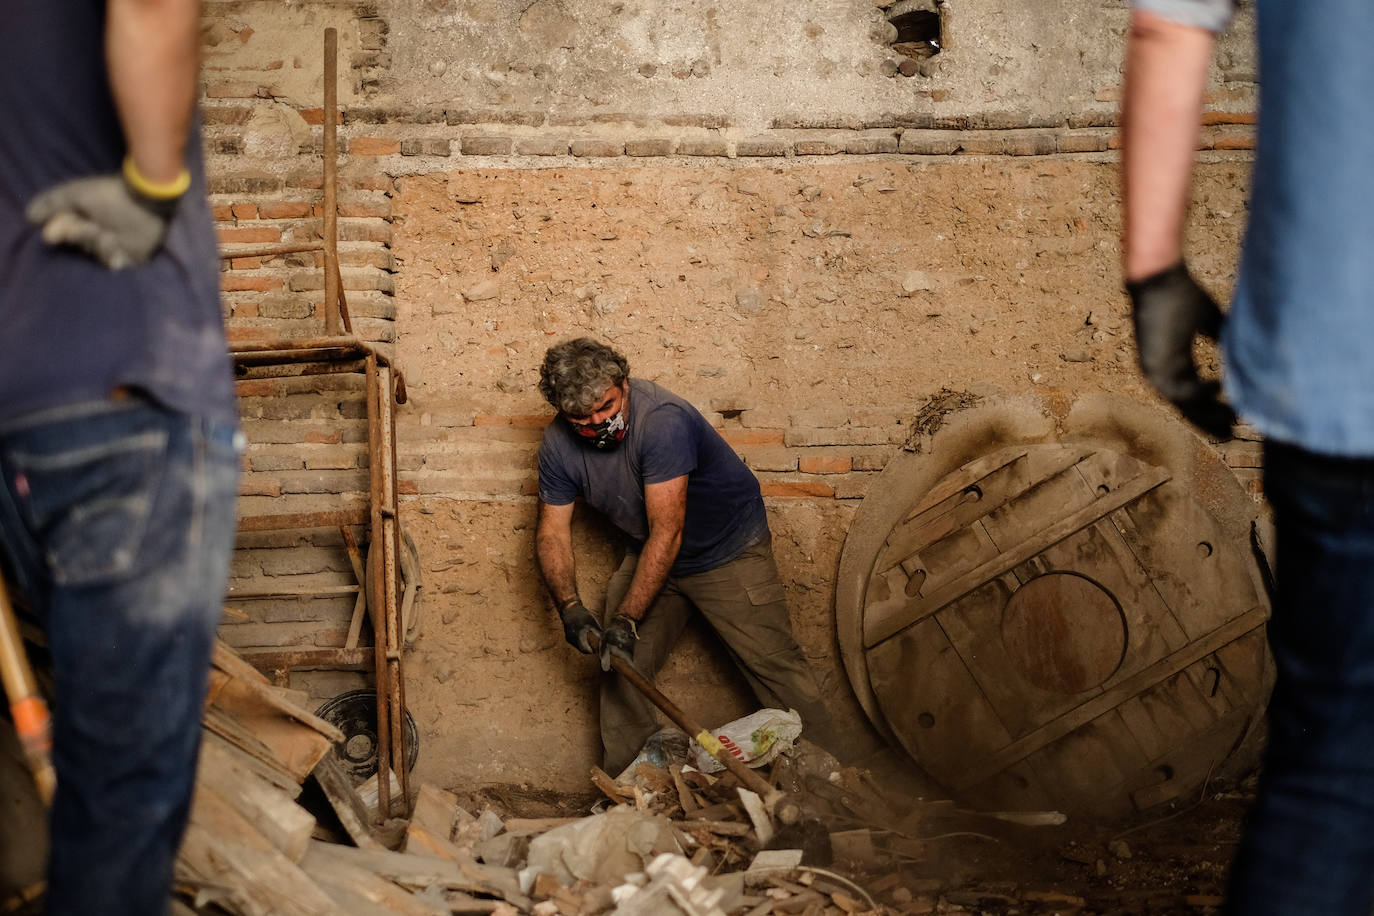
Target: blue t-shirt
x,y
1296,344
665,438
70,329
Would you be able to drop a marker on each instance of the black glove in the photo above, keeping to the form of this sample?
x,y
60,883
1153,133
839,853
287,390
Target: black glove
x,y
110,217
579,626
1170,310
619,638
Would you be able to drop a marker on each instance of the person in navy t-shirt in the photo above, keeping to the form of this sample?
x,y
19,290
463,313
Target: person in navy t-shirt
x,y
697,537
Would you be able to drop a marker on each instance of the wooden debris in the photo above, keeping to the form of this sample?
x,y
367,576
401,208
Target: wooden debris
x,y
272,812
421,872
344,800
249,849
346,883
610,788
238,692
223,849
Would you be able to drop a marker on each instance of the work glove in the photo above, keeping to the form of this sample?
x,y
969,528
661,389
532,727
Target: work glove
x,y
121,220
1169,311
619,638
579,626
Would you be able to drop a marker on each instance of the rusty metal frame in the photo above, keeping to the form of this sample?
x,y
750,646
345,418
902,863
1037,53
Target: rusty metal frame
x,y
385,388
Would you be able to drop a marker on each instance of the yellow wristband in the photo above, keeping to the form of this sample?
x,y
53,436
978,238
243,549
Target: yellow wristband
x,y
157,190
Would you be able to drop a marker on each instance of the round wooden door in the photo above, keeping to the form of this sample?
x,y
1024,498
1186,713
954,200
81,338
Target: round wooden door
x,y
1060,624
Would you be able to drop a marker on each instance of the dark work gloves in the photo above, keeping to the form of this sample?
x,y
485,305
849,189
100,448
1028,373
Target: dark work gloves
x,y
1170,310
579,626
619,638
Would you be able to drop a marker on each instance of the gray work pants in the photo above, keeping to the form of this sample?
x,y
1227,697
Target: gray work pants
x,y
745,604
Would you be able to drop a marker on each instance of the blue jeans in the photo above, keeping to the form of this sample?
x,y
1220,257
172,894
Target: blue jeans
x,y
118,522
1308,846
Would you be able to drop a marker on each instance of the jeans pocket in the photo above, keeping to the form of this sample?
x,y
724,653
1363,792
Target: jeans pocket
x,y
88,505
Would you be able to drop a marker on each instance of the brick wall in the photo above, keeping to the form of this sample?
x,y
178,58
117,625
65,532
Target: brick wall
x,y
814,280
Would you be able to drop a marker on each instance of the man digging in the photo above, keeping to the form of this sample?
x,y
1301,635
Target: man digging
x,y
697,537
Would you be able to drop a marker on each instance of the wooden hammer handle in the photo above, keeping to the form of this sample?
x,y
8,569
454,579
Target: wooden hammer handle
x,y
751,780
30,713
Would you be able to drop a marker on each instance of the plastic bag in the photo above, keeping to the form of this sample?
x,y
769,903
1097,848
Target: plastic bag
x,y
754,740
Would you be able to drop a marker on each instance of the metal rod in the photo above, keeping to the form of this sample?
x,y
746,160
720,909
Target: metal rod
x,y
244,373
276,357
384,455
318,591
288,521
377,597
331,202
295,343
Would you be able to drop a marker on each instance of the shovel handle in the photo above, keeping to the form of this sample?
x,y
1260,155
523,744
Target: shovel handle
x,y
29,712
751,780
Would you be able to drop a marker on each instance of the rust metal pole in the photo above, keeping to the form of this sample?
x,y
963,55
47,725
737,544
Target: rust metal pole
x,y
248,373
331,168
280,357
377,598
385,457
295,343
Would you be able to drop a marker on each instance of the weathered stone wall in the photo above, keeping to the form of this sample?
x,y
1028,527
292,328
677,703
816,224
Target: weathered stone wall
x,y
743,200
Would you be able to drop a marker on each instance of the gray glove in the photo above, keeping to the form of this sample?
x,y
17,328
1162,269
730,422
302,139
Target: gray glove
x,y
105,217
619,639
579,626
1169,311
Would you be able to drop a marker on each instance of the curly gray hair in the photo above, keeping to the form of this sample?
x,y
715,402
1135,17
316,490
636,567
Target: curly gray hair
x,y
576,373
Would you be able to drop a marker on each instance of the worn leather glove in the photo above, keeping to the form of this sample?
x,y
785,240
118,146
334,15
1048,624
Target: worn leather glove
x,y
579,626
121,220
1169,310
619,638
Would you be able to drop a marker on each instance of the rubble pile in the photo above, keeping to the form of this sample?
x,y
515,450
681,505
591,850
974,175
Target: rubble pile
x,y
278,828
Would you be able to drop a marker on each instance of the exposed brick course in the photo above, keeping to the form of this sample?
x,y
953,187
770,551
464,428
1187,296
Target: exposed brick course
x,y
649,146
597,148
763,146
426,146
541,146
486,145
373,146
702,146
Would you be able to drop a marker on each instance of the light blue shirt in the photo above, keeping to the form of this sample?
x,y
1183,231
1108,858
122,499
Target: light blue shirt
x,y
1299,344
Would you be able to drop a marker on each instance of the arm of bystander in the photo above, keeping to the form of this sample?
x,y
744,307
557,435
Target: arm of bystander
x,y
1166,73
121,219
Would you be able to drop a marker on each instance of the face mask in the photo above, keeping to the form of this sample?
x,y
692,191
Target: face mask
x,y
605,435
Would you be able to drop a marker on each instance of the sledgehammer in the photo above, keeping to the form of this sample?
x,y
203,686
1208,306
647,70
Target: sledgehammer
x,y
782,807
27,708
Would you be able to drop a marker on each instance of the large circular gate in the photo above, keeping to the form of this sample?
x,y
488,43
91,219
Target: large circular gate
x,y
1058,610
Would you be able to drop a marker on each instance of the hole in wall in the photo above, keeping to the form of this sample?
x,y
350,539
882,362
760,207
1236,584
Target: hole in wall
x,y
918,32
915,582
